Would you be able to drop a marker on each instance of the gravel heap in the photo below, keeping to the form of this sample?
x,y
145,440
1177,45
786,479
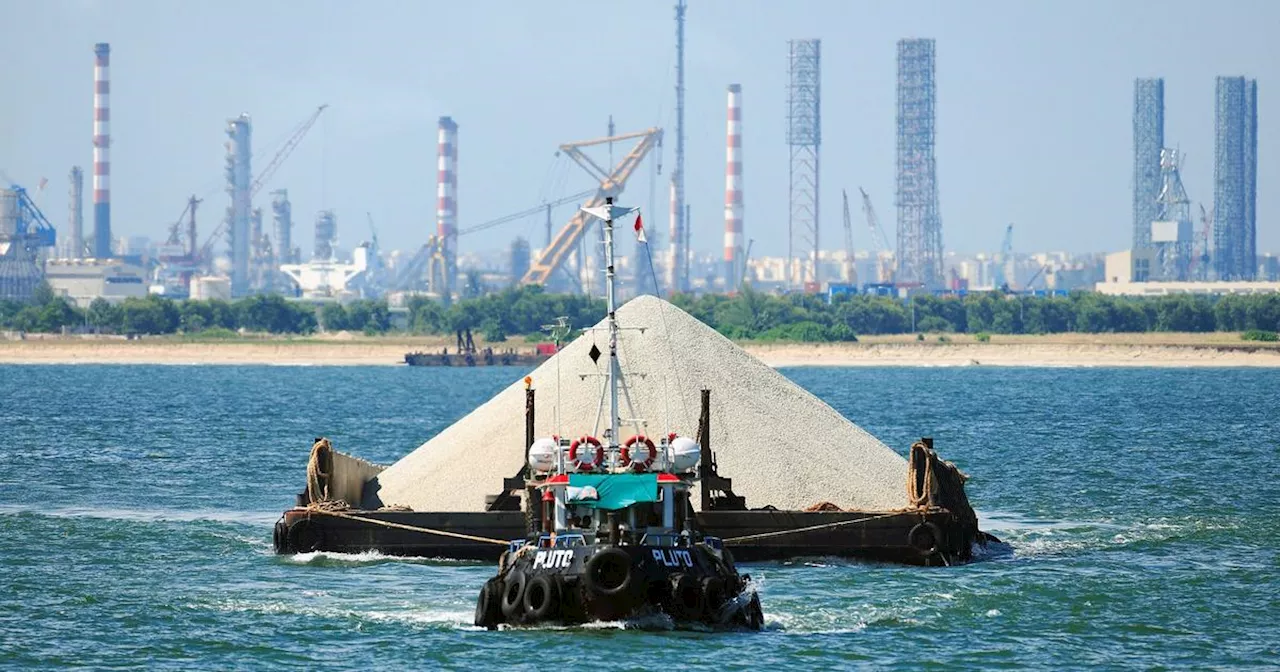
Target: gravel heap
x,y
780,444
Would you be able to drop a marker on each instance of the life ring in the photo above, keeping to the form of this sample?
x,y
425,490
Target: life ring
x,y
541,598
305,536
925,537
576,459
489,606
625,455
608,574
513,595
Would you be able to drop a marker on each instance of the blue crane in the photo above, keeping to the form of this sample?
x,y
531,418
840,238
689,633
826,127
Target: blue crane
x,y
31,226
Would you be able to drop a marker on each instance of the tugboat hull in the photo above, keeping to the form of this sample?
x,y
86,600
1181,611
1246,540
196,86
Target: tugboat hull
x,y
690,584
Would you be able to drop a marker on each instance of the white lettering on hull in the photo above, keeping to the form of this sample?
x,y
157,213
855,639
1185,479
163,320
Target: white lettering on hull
x,y
553,559
673,558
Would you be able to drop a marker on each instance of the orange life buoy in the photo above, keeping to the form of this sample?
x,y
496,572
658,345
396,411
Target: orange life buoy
x,y
582,441
625,456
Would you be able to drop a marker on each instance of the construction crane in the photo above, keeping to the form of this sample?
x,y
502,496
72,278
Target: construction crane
x,y
526,213
850,273
31,226
1006,254
266,173
883,269
612,183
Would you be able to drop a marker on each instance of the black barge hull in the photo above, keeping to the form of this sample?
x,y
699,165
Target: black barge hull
x,y
918,537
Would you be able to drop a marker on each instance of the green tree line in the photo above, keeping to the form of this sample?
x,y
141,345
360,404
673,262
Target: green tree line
x,y
748,315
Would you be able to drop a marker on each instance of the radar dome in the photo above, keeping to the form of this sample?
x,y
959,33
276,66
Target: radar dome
x,y
542,455
685,453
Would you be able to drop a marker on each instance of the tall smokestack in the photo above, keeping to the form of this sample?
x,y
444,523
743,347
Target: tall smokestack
x,y
733,191
101,155
76,214
447,201
240,213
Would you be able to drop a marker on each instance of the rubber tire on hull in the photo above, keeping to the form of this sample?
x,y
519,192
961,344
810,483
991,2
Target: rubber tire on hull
x,y
280,537
925,537
305,536
686,602
542,598
489,605
602,571
513,595
753,613
713,596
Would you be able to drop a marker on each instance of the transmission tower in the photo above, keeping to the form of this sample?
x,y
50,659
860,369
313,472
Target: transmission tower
x,y
919,225
804,137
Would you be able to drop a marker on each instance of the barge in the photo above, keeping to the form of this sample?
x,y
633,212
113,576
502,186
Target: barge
x,y
343,507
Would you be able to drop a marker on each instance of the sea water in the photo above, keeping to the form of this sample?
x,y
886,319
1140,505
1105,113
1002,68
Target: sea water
x,y
136,503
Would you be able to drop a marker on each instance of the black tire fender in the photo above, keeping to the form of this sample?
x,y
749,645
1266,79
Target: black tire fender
x,y
489,605
686,597
542,598
713,596
513,594
280,537
600,576
305,536
925,537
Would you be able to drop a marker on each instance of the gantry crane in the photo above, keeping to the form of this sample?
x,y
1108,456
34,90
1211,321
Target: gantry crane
x,y
611,184
883,270
850,273
272,166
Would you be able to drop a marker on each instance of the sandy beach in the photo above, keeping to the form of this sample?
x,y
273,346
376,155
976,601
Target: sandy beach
x,y
1063,350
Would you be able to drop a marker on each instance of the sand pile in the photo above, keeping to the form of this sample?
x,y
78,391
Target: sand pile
x,y
780,444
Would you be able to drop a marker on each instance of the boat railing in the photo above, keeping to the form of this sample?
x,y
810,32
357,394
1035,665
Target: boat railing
x,y
561,540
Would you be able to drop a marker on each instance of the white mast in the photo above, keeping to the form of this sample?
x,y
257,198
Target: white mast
x,y
608,213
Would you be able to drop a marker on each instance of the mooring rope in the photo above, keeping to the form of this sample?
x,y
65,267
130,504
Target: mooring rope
x,y
811,528
411,528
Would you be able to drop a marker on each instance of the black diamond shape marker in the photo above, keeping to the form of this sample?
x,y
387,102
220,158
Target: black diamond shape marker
x,y
594,353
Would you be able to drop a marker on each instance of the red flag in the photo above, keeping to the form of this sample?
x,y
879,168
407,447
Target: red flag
x,y
640,230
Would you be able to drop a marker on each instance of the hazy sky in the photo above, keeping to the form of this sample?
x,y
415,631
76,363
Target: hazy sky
x,y
1034,106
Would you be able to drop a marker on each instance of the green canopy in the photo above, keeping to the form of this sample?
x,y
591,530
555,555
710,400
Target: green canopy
x,y
613,491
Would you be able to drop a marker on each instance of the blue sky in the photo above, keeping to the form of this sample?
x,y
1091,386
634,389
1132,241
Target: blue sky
x,y
1034,104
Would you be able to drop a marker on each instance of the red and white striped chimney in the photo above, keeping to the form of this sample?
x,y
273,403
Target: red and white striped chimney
x,y
733,253
447,200
101,156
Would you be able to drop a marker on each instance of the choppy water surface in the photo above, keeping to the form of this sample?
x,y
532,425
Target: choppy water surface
x,y
136,506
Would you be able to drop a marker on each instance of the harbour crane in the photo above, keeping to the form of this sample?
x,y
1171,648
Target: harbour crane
x,y
877,235
270,170
850,273
553,257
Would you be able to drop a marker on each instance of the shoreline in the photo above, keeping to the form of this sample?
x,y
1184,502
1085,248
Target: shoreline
x,y
1065,350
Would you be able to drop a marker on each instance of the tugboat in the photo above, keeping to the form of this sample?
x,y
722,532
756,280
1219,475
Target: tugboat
x,y
612,534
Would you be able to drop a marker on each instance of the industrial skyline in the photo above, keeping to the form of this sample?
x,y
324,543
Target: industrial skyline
x,y
357,162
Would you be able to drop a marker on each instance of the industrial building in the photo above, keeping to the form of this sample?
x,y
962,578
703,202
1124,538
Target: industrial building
x,y
83,280
1235,179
